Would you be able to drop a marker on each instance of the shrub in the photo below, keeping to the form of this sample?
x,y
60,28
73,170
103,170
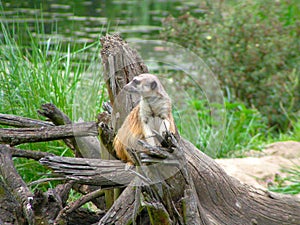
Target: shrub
x,y
254,50
245,128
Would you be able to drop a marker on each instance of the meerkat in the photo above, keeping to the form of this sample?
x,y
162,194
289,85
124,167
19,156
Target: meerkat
x,y
152,114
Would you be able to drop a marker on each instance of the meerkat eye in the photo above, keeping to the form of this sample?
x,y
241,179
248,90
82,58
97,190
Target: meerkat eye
x,y
136,82
153,85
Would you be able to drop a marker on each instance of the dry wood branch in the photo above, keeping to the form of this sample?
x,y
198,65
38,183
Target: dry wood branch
x,y
15,183
221,195
121,63
61,218
48,204
122,210
15,136
36,155
18,121
50,111
88,147
10,210
105,173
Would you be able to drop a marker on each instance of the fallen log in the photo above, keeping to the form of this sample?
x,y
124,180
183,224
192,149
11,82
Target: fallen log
x,y
212,197
16,185
99,172
16,136
222,199
197,191
19,121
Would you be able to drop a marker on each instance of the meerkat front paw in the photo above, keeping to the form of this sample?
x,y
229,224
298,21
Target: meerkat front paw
x,y
129,165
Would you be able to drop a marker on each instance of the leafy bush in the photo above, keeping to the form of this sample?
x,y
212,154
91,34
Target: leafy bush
x,y
245,128
254,49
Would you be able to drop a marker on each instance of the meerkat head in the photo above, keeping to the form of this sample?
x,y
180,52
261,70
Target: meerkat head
x,y
146,85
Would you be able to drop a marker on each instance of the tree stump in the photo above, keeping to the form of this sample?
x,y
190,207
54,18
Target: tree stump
x,y
185,187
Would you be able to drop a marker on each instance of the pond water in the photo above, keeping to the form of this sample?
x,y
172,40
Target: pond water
x,y
85,21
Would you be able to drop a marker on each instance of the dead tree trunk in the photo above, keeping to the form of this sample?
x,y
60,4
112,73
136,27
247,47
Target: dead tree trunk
x,y
212,196
198,192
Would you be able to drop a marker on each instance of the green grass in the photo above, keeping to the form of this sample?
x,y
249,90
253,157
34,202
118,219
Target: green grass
x,y
245,128
38,73
46,70
289,184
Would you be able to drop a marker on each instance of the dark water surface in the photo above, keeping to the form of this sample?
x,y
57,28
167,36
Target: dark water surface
x,y
85,21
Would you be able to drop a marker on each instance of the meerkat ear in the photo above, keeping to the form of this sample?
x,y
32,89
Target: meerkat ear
x,y
153,85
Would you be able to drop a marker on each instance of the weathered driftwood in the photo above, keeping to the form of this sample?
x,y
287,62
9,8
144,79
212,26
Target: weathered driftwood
x,y
200,192
16,136
222,199
47,205
72,207
20,206
50,111
87,146
53,199
227,201
15,183
121,63
17,202
103,172
18,121
10,208
28,154
212,196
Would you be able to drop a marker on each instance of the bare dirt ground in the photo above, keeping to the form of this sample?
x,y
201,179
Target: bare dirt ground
x,y
259,168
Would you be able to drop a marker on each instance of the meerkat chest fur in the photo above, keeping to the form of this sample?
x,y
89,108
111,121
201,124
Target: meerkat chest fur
x,y
155,109
154,114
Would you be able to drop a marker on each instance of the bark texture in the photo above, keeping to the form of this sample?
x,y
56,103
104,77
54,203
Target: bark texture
x,y
191,187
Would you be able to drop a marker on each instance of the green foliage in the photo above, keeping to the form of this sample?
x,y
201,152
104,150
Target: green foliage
x,y
40,72
35,74
254,50
289,184
245,128
296,130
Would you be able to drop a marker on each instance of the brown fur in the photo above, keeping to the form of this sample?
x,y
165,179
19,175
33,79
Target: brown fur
x,y
135,127
131,129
